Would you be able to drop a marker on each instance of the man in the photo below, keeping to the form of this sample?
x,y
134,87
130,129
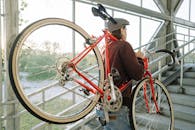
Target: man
x,y
125,65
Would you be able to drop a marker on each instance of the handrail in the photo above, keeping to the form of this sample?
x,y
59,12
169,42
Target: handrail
x,y
66,110
155,40
185,44
164,68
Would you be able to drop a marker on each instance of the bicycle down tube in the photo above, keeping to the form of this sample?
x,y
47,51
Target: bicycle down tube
x,y
81,55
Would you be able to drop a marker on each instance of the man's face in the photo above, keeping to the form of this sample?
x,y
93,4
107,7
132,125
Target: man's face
x,y
124,33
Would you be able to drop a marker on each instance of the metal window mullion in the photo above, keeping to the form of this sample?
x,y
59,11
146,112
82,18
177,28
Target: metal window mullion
x,y
10,31
73,39
1,68
140,27
189,10
181,72
190,21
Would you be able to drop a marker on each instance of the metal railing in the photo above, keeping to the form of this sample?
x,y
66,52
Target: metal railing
x,y
156,73
190,45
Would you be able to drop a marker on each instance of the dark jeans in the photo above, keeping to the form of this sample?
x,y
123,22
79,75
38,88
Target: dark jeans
x,y
118,120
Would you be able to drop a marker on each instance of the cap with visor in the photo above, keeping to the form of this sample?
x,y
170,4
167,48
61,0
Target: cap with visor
x,y
120,23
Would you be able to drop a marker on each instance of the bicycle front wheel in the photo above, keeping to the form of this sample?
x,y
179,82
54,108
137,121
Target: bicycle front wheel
x,y
144,112
35,65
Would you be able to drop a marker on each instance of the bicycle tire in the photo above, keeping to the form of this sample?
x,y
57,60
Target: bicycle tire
x,y
141,118
27,55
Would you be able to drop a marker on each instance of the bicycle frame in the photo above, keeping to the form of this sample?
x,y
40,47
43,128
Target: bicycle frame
x,y
148,74
66,76
93,87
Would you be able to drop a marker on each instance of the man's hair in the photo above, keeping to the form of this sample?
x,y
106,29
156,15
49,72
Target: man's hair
x,y
117,34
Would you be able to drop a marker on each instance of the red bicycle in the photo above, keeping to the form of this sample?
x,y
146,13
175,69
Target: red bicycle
x,y
59,80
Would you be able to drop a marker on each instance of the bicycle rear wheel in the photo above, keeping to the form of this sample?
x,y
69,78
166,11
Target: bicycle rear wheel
x,y
151,120
36,57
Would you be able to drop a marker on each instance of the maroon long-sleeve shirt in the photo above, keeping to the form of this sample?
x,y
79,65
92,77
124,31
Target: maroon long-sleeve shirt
x,y
123,59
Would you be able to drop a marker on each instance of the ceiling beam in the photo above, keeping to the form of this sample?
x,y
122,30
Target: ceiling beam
x,y
137,9
132,8
177,6
161,6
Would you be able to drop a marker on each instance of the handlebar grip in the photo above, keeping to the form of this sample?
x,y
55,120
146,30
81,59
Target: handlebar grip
x,y
170,53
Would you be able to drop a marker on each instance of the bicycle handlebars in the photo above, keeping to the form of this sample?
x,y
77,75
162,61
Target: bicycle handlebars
x,y
171,53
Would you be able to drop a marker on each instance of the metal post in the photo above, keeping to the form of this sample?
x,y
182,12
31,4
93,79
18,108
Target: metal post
x,y
181,73
11,30
140,27
1,69
189,28
2,87
160,62
73,40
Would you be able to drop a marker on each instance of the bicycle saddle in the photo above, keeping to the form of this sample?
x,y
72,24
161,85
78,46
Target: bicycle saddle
x,y
102,13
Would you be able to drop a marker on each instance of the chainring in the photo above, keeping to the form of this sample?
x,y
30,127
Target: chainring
x,y
113,106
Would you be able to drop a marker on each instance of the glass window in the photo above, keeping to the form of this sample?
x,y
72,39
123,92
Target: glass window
x,y
182,35
38,9
182,30
84,18
149,4
192,11
183,11
149,27
192,34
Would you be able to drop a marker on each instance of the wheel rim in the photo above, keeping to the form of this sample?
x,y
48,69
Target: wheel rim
x,y
152,120
36,72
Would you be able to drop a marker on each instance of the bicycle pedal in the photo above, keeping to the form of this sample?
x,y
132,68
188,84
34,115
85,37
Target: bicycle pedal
x,y
85,91
102,121
90,41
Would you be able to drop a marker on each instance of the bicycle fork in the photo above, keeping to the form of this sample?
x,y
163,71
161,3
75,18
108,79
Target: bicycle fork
x,y
153,95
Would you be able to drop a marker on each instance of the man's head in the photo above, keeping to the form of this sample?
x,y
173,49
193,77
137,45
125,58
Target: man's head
x,y
119,29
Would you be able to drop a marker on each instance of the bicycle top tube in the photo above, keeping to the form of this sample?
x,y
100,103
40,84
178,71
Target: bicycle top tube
x,y
93,43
